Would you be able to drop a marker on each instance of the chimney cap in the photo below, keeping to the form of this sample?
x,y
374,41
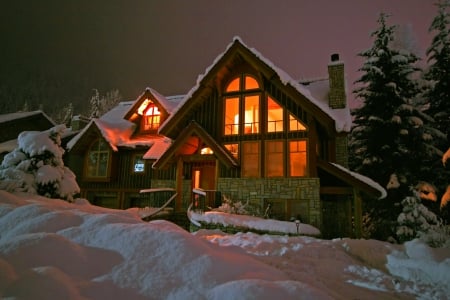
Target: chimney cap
x,y
335,57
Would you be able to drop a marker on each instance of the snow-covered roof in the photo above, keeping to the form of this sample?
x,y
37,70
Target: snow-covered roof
x,y
317,94
20,115
158,148
364,179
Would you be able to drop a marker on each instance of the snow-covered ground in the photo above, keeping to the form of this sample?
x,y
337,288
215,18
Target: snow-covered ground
x,y
52,249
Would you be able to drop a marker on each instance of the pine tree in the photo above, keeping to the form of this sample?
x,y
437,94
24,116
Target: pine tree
x,y
36,166
439,71
438,92
390,136
95,105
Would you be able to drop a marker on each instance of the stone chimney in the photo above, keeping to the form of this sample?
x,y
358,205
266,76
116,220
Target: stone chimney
x,y
336,96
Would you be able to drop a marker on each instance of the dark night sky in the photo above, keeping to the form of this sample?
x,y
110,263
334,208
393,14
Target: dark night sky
x,y
130,45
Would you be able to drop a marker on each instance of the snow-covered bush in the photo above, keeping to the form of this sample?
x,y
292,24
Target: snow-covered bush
x,y
231,207
416,221
36,166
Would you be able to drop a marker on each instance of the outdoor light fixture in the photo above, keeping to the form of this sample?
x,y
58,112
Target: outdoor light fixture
x,y
297,223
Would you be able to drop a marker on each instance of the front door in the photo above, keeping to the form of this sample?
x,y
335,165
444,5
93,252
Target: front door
x,y
204,177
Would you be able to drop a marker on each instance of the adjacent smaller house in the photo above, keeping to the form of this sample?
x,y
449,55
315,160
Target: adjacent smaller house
x,y
12,124
246,130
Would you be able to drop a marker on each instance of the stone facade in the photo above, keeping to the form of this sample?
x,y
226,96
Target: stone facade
x,y
342,150
337,96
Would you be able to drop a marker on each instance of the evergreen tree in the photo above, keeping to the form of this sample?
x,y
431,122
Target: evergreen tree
x,y
36,166
438,92
390,136
95,105
439,71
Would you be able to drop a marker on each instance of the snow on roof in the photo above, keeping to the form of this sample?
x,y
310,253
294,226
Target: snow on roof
x,y
169,103
20,115
342,117
158,148
364,179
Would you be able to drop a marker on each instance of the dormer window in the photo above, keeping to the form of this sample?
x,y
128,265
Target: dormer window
x,y
151,116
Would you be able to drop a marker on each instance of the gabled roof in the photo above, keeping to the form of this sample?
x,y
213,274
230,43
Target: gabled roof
x,y
194,129
12,124
353,179
338,120
162,102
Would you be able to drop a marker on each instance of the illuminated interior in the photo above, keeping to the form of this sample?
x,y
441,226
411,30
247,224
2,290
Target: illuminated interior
x,y
234,149
274,159
274,116
152,115
297,158
206,150
242,84
295,125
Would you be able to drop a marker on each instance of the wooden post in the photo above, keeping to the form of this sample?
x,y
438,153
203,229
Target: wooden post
x,y
357,211
179,185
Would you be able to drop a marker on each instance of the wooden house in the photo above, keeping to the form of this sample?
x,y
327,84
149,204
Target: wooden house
x,y
12,124
246,130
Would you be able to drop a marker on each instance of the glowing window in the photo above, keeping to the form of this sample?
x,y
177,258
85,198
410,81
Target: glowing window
x,y
231,116
206,150
152,118
233,148
234,85
251,83
97,161
295,125
251,117
298,158
138,164
250,159
274,116
274,159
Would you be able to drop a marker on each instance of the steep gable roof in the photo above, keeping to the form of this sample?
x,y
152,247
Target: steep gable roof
x,y
194,129
338,120
14,123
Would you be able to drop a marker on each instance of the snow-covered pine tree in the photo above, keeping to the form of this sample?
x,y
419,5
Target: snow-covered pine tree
x,y
95,105
439,70
36,166
390,134
109,101
437,93
416,221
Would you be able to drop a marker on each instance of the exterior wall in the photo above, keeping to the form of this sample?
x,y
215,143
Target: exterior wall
x,y
296,196
342,150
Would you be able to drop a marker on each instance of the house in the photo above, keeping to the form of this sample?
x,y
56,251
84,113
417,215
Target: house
x,y
12,124
246,130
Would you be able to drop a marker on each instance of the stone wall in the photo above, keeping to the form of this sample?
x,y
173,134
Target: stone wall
x,y
290,197
342,150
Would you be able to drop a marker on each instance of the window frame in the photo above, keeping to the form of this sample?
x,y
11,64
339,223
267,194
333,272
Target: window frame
x,y
134,158
99,151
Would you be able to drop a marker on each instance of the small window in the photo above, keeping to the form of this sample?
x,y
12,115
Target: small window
x,y
152,117
234,149
206,150
295,125
251,83
138,164
250,159
298,162
97,161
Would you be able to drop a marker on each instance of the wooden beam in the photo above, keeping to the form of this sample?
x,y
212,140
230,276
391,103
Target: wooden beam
x,y
337,190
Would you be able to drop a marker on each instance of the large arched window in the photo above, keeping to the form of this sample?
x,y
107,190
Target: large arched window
x,y
98,159
242,106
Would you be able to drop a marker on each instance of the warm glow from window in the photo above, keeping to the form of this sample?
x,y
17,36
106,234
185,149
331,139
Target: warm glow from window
x,y
274,116
233,148
206,150
143,106
274,159
297,158
250,159
251,117
231,116
234,85
295,125
98,159
152,117
251,83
